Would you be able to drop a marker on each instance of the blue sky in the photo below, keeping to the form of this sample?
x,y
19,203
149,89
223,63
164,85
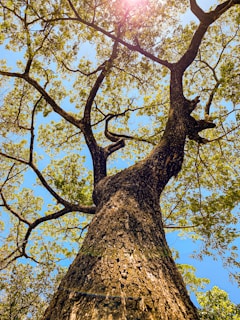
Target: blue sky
x,y
207,268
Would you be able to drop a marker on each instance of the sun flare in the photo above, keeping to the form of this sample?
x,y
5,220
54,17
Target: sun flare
x,y
135,2
139,3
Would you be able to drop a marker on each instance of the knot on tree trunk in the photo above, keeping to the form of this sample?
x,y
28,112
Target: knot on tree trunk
x,y
195,126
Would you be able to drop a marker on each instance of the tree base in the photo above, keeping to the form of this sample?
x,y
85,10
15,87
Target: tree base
x,y
124,270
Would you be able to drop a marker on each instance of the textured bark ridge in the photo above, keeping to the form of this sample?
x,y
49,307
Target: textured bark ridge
x,y
124,269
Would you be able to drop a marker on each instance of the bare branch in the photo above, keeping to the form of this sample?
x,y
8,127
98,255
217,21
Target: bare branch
x,y
180,227
100,68
107,65
16,214
211,16
73,207
40,176
132,47
206,20
221,8
109,135
13,158
119,144
210,100
115,137
199,13
54,216
213,69
68,117
32,131
11,10
47,186
68,205
21,247
213,91
98,154
224,135
41,220
5,204
231,39
67,139
5,262
131,74
199,181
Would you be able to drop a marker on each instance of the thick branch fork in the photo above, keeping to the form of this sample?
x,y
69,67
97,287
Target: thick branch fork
x,y
206,19
211,16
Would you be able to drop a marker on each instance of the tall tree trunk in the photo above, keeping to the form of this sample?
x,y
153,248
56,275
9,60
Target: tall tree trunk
x,y
124,269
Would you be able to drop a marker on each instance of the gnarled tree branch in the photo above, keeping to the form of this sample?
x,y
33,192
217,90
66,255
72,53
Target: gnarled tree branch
x,y
206,19
68,117
59,199
98,154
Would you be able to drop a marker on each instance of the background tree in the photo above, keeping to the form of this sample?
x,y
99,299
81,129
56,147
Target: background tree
x,y
145,73
216,305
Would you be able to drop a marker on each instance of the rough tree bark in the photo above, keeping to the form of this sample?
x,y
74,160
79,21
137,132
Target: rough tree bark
x,y
124,269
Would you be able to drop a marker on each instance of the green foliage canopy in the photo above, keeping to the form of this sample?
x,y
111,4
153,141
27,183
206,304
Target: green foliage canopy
x,y
215,305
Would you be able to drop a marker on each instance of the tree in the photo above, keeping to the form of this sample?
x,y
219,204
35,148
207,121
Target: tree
x,y
216,305
144,65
